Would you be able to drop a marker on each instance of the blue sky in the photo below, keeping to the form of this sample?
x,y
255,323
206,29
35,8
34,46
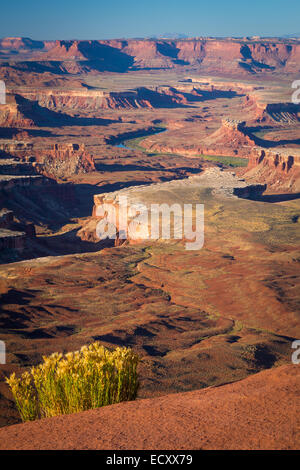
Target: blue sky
x,y
98,19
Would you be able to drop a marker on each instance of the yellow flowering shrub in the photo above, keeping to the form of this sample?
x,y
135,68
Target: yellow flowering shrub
x,y
76,381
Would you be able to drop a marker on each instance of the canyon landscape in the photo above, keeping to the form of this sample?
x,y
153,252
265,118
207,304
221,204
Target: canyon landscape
x,y
199,120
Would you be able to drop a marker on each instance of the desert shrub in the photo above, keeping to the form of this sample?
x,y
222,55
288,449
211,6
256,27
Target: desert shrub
x,y
77,381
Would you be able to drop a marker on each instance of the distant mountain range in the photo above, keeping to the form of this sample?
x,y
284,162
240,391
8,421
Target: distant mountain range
x,y
185,36
171,36
289,36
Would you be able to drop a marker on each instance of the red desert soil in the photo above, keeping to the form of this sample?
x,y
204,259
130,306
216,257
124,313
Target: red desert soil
x,y
259,412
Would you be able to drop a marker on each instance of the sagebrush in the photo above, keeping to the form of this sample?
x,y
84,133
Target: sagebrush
x,y
77,381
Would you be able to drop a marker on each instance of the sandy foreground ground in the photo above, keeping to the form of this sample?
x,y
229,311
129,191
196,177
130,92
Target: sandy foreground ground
x,y
259,412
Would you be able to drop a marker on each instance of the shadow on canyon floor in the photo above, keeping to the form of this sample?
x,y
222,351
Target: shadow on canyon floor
x,y
131,167
11,132
276,197
44,117
250,131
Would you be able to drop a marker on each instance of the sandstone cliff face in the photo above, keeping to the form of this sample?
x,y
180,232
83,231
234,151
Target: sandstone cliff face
x,y
13,235
256,107
27,198
15,113
6,218
211,55
86,99
287,113
64,160
93,100
15,148
279,169
231,139
11,240
135,205
20,44
60,161
20,112
268,113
